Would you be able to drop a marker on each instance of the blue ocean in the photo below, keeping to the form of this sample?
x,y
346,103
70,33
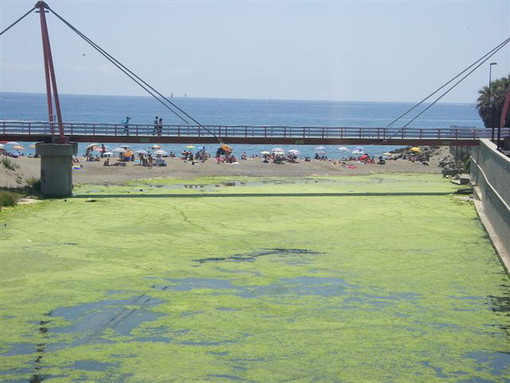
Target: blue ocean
x,y
142,110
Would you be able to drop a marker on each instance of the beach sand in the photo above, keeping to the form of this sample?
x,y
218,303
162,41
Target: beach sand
x,y
97,173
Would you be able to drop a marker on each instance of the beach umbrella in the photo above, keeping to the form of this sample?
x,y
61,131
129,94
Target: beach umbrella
x,y
108,154
99,148
320,148
155,147
160,153
265,152
92,145
294,151
415,149
343,149
387,154
192,146
226,148
119,150
141,152
12,143
18,147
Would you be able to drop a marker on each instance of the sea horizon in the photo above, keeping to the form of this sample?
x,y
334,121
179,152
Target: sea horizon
x,y
269,99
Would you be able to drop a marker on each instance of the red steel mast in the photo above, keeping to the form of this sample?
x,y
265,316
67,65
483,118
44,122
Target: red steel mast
x,y
49,70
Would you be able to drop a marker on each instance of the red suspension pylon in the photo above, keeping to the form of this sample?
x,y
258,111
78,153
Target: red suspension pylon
x,y
49,71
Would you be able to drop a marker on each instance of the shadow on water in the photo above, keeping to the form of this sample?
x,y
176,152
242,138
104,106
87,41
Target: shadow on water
x,y
40,350
502,305
257,195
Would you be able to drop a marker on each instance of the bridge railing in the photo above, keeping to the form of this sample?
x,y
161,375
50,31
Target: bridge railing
x,y
248,131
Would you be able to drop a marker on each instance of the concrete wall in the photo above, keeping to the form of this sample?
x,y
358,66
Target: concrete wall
x,y
490,171
56,168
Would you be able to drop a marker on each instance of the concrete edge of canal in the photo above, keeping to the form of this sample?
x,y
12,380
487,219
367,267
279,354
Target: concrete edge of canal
x,y
490,172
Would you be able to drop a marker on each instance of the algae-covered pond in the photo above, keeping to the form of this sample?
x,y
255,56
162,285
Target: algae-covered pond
x,y
356,279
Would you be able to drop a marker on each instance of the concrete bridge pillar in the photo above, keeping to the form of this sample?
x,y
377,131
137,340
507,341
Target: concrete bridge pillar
x,y
56,168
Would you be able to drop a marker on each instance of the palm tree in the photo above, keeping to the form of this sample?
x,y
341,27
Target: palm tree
x,y
490,102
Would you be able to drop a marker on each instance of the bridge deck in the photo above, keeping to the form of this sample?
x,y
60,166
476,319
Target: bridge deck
x,y
34,131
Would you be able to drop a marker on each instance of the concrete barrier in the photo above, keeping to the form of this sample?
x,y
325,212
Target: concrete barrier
x,y
490,172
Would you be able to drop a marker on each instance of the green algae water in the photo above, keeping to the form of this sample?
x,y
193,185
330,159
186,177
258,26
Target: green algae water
x,y
386,278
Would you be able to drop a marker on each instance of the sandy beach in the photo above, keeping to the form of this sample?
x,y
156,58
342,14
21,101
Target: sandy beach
x,y
97,173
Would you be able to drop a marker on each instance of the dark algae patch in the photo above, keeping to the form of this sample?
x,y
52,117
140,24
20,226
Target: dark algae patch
x,y
376,288
252,256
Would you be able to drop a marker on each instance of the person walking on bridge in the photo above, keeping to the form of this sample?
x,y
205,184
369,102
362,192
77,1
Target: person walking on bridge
x,y
160,126
155,126
126,125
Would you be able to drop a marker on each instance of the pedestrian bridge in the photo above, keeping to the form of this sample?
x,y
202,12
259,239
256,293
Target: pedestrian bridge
x,y
38,131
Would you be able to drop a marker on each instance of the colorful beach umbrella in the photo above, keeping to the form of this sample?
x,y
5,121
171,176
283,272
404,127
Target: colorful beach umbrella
x,y
191,146
415,149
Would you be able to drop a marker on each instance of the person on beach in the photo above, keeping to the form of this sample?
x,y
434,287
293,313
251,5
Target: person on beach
x,y
126,125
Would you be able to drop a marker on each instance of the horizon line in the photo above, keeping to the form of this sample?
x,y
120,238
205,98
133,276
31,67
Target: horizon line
x,y
269,99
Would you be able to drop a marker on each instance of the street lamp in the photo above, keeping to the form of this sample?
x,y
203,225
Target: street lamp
x,y
490,100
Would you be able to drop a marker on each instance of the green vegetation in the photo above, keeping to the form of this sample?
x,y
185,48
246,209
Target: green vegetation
x,y
8,199
34,184
491,100
221,284
7,163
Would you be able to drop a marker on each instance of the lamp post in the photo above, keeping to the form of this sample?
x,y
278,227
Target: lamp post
x,y
490,101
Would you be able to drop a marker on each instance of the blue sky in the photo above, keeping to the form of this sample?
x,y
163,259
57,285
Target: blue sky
x,y
334,50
